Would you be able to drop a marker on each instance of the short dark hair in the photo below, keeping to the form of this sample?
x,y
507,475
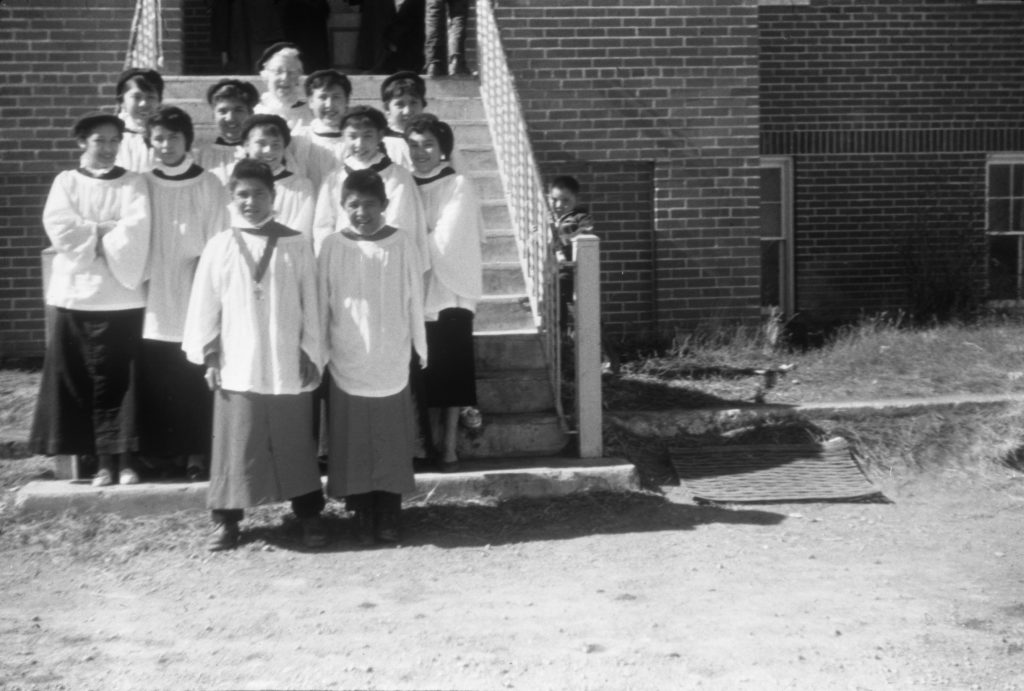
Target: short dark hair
x,y
251,169
427,122
402,84
146,80
565,182
325,79
234,90
85,125
272,123
364,181
174,119
365,114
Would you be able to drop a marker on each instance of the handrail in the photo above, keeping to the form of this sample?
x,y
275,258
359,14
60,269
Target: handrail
x,y
531,216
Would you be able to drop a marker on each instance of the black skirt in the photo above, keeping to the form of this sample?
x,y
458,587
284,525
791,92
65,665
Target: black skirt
x,y
450,376
87,394
175,414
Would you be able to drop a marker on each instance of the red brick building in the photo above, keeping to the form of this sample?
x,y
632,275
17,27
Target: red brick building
x,y
825,155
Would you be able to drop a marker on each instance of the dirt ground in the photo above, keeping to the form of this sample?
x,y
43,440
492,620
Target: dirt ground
x,y
594,592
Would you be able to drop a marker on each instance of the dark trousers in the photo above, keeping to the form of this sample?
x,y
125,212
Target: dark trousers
x,y
441,34
376,501
307,505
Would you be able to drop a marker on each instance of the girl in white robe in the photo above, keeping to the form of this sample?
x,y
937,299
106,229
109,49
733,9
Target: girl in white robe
x,y
455,281
98,219
253,321
189,206
370,286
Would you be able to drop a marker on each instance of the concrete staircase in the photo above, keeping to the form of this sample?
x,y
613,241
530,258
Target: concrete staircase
x,y
512,381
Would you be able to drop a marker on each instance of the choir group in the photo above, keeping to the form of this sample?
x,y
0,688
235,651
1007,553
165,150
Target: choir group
x,y
241,307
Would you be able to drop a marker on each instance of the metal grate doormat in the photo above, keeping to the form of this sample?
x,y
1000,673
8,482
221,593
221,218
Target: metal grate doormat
x,y
773,473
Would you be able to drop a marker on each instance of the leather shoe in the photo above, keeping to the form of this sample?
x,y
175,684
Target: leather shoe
x,y
386,528
128,477
103,478
314,533
434,69
224,537
362,528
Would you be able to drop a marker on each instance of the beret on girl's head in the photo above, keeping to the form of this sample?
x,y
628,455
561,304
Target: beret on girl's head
x,y
234,89
87,123
148,78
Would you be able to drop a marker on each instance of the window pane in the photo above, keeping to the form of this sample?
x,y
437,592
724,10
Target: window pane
x,y
1018,180
1002,267
999,215
999,181
771,265
1017,220
771,220
771,184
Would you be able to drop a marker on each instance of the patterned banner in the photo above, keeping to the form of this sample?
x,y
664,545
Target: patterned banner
x,y
145,44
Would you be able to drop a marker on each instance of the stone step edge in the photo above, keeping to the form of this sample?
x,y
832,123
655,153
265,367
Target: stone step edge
x,y
482,481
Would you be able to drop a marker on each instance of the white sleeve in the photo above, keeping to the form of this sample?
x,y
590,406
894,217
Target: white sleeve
x,y
72,235
417,323
326,211
405,211
202,322
311,340
126,246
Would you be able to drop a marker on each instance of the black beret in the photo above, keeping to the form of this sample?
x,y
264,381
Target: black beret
x,y
86,124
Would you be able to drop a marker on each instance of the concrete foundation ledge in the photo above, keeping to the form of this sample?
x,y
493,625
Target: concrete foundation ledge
x,y
481,482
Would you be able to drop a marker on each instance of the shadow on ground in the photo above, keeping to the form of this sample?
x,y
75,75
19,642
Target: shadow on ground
x,y
527,520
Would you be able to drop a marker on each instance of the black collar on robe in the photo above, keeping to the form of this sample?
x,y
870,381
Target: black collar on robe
x,y
445,172
393,133
285,173
385,231
376,167
224,142
112,174
194,171
270,229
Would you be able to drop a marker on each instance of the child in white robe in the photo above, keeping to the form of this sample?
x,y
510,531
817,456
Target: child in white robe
x,y
189,206
455,280
319,146
97,218
280,66
370,285
139,93
232,102
362,129
253,321
266,138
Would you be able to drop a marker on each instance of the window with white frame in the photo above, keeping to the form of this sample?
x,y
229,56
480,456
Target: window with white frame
x,y
1004,223
777,276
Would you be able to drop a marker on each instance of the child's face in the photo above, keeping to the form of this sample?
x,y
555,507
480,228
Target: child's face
x,y
229,114
253,199
425,151
169,146
329,104
401,109
263,144
138,104
281,74
362,140
562,200
365,212
99,147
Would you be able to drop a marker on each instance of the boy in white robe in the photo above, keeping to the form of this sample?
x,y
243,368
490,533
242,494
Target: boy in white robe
x,y
455,280
139,93
232,102
253,321
98,219
319,146
370,285
404,96
266,138
189,206
362,129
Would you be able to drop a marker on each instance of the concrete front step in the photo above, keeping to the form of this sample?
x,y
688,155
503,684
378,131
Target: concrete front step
x,y
514,435
514,391
512,351
478,481
502,313
365,87
503,278
500,246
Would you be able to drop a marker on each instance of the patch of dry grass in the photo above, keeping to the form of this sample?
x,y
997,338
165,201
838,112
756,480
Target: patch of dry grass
x,y
18,391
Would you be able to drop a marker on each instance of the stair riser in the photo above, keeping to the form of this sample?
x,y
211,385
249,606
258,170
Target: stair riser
x,y
503,281
463,111
522,439
491,316
500,248
517,352
364,87
514,395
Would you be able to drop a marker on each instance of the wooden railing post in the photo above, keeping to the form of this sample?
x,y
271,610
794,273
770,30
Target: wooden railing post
x,y
588,345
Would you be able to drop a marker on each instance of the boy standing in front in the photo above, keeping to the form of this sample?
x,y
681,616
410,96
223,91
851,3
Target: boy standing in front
x,y
253,322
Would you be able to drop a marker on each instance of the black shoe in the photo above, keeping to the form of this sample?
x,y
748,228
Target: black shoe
x,y
362,527
386,528
224,537
314,533
434,69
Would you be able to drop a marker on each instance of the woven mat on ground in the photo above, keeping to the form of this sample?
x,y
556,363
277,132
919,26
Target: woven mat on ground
x,y
773,473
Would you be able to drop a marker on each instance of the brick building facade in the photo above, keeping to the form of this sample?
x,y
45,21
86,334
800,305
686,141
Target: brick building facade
x,y
883,116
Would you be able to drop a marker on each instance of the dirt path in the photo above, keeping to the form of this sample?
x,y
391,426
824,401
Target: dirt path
x,y
596,592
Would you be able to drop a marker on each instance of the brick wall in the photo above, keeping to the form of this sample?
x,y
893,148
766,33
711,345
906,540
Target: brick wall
x,y
620,86
58,60
888,108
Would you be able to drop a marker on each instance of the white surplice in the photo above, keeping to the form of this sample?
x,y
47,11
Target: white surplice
x,y
294,202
